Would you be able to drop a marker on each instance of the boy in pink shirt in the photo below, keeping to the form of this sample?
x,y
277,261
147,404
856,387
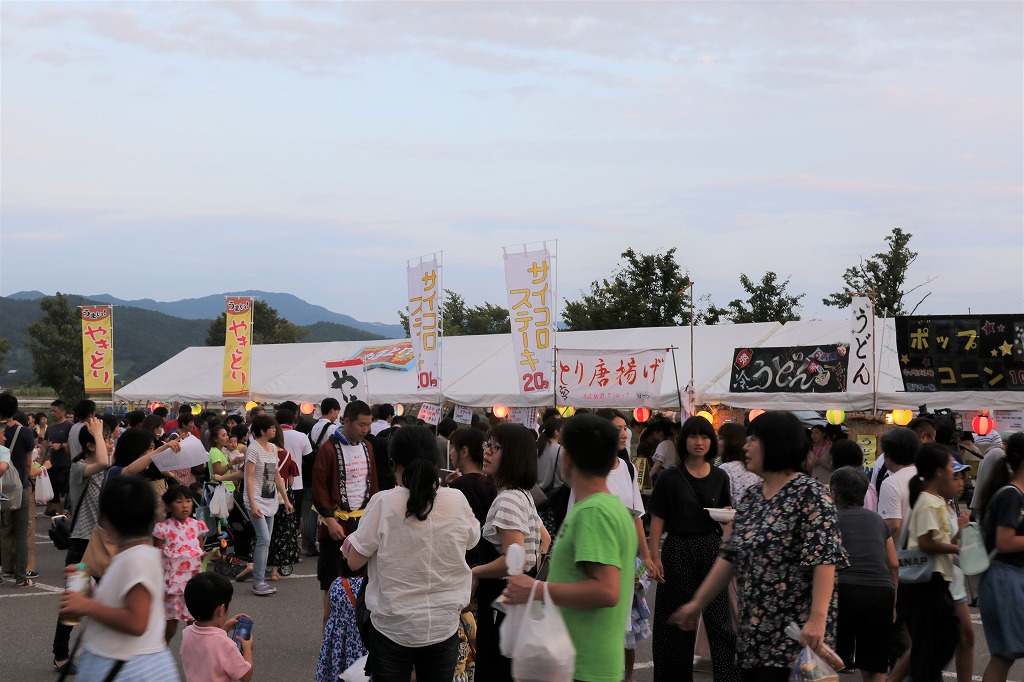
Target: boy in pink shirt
x,y
207,653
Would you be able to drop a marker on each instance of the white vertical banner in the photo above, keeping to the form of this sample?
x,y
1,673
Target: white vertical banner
x,y
529,278
861,377
425,321
346,380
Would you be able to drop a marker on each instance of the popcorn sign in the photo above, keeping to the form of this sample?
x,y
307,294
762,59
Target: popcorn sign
x,y
98,348
531,299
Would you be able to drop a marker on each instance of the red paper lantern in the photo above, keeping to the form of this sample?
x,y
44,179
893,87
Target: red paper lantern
x,y
641,414
307,408
983,424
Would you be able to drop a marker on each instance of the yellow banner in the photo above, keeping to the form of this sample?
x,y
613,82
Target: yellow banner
x,y
98,348
237,348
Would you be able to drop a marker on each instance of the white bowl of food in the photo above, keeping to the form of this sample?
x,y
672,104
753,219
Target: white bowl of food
x,y
722,515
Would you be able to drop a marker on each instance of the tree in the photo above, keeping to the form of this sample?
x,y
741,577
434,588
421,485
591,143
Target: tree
x,y
460,320
267,327
55,341
5,348
884,273
767,302
645,291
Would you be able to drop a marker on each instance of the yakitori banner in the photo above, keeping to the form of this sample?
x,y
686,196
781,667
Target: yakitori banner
x,y
98,348
862,346
236,380
424,321
346,380
531,299
610,378
794,369
961,352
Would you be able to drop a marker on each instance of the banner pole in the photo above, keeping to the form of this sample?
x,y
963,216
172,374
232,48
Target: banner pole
x,y
675,372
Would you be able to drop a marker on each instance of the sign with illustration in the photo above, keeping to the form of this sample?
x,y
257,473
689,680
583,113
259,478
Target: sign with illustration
x,y
796,369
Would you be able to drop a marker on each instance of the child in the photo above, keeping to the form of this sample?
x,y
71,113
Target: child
x,y
342,645
206,652
126,634
180,538
958,586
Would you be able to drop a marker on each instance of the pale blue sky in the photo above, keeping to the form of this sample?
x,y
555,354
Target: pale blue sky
x,y
171,150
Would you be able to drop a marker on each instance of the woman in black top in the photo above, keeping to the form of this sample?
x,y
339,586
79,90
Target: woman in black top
x,y
677,506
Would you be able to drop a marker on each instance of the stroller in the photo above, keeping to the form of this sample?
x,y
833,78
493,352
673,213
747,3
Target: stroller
x,y
235,541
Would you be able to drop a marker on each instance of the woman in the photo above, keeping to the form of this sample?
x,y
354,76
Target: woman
x,y
788,534
510,459
818,463
1002,587
678,503
263,484
548,476
731,439
223,458
415,593
928,607
133,454
867,587
284,542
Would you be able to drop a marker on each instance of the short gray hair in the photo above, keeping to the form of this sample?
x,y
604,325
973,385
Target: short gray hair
x,y
849,486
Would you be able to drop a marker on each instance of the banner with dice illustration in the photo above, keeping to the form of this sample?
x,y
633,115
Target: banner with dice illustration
x,y
796,369
961,352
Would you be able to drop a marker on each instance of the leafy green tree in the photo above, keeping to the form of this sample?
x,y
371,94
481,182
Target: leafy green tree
x,y
267,327
55,341
884,273
5,348
644,291
462,320
767,301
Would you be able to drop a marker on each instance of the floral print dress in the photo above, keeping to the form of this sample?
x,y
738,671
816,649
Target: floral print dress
x,y
182,551
342,645
775,545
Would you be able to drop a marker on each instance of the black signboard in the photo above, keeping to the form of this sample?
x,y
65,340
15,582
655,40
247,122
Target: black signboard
x,y
961,353
797,369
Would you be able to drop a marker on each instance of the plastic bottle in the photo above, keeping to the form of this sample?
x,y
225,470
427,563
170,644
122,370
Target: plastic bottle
x,y
78,581
243,629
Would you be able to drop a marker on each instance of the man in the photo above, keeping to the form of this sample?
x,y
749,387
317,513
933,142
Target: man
x,y
385,413
591,576
20,441
183,411
83,411
900,445
444,431
344,478
55,449
330,412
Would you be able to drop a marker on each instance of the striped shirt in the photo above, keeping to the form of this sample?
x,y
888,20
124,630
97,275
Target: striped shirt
x,y
514,510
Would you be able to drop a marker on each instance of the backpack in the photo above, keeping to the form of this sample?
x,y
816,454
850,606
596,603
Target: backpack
x,y
10,483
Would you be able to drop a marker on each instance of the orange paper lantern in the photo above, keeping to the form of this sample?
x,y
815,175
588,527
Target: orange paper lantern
x,y
754,414
983,424
499,411
307,408
707,415
902,417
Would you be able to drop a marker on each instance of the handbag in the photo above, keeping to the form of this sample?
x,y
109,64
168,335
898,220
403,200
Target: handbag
x,y
10,484
915,566
974,558
543,649
61,527
102,546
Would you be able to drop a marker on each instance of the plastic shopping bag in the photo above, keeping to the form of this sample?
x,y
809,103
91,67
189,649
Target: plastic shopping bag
x,y
44,489
219,502
544,651
354,673
508,631
811,665
974,557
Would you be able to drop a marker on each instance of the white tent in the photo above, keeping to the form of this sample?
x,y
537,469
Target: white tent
x,y
480,370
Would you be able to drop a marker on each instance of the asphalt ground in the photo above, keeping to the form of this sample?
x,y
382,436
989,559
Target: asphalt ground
x,y
286,626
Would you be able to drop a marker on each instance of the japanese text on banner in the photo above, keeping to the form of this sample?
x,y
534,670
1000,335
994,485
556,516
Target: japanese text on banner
x,y
346,380
236,379
531,299
424,318
610,378
98,348
861,376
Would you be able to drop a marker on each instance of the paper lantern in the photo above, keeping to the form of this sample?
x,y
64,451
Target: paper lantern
x,y
707,415
566,411
835,417
902,417
197,409
754,414
983,424
307,408
154,406
499,411
641,414
399,409
251,404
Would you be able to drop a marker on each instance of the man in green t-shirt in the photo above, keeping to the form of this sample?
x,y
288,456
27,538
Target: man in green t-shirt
x,y
591,576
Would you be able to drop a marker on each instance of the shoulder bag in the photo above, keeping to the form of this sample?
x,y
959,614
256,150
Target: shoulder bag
x,y
915,566
10,483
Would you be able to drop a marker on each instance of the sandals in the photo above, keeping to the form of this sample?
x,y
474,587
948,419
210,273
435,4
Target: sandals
x,y
67,666
28,582
244,574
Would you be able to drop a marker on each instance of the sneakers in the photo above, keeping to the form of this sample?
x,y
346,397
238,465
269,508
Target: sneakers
x,y
263,590
31,574
67,667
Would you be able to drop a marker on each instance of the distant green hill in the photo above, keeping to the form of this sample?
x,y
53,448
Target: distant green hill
x,y
143,339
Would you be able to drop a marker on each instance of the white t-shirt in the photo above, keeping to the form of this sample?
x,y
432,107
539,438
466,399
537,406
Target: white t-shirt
x,y
264,478
666,453
986,468
418,578
297,444
894,496
316,432
357,473
378,426
139,565
74,444
623,485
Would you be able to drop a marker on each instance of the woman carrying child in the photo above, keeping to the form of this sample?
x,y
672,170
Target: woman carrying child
x,y
180,539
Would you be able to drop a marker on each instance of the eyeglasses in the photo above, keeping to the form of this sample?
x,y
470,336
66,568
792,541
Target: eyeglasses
x,y
492,446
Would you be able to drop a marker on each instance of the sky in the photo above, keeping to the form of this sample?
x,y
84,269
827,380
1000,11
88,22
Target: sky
x,y
171,150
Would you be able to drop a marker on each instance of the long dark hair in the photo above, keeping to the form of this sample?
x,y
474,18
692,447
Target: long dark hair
x,y
1014,448
414,448
547,432
931,459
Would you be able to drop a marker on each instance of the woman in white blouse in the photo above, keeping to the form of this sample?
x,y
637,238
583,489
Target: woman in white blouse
x,y
263,485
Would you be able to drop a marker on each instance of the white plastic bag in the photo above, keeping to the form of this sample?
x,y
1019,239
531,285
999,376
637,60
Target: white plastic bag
x,y
515,560
354,673
44,489
543,650
814,665
219,502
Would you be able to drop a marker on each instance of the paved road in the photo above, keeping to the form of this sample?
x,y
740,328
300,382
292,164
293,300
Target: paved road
x,y
286,630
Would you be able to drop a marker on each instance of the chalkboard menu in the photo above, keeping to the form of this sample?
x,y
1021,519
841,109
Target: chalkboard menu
x,y
961,353
796,369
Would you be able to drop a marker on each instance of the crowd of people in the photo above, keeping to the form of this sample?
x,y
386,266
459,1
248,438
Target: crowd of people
x,y
425,538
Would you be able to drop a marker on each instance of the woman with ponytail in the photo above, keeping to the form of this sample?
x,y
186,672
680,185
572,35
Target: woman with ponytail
x,y
928,606
415,538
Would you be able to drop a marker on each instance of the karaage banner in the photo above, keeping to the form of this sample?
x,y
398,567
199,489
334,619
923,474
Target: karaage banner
x,y
98,348
237,380
610,378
